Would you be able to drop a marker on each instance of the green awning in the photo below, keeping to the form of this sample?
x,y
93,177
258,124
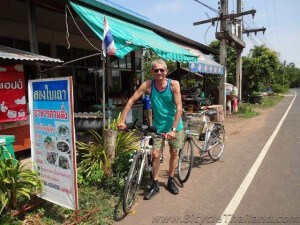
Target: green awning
x,y
130,37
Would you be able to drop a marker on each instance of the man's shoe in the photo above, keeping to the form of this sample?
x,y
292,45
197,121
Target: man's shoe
x,y
154,190
171,187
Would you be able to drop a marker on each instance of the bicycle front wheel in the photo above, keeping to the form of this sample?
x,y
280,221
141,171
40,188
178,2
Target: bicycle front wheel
x,y
132,183
216,141
185,161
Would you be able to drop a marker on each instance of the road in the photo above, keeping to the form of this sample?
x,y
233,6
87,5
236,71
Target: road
x,y
257,180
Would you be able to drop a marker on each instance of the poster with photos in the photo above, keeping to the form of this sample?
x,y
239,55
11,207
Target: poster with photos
x,y
53,138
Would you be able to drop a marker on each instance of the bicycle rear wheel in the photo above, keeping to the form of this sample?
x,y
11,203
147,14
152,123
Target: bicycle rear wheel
x,y
185,161
216,141
132,183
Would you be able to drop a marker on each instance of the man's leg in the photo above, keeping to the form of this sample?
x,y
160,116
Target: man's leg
x,y
172,162
154,189
155,163
175,145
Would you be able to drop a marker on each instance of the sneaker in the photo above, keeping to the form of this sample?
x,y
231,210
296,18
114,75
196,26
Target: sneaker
x,y
171,187
154,190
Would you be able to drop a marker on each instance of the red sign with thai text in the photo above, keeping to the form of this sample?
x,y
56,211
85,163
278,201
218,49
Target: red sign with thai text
x,y
13,105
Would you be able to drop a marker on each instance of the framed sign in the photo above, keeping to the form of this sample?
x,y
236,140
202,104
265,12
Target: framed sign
x,y
53,139
13,105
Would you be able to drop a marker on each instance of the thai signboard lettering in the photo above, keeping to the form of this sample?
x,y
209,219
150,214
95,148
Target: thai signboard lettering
x,y
53,139
13,106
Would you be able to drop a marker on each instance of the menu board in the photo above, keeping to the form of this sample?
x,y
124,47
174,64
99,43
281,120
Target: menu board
x,y
53,139
13,105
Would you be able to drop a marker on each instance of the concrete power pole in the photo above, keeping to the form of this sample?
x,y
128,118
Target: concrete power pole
x,y
238,76
223,54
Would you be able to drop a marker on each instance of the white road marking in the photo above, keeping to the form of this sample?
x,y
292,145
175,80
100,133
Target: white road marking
x,y
238,196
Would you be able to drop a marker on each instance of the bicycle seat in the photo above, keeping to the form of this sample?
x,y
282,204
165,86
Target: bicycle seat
x,y
211,113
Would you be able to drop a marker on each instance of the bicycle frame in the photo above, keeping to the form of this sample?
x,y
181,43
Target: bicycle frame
x,y
208,127
144,150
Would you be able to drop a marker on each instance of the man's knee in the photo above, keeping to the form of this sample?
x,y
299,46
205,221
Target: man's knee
x,y
155,154
173,153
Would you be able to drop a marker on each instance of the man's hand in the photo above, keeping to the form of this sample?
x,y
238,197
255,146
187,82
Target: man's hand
x,y
171,135
121,126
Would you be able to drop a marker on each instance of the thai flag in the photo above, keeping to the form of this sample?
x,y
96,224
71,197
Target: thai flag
x,y
108,45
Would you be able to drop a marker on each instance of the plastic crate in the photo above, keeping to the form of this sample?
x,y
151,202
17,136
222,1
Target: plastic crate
x,y
7,141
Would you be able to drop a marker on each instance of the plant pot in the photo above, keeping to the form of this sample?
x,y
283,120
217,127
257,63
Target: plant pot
x,y
256,99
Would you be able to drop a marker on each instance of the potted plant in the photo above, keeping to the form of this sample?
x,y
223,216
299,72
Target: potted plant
x,y
257,97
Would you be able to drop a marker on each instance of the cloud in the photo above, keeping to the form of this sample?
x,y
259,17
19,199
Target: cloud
x,y
19,68
2,69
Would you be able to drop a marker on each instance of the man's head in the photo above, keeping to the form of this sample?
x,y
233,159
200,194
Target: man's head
x,y
159,69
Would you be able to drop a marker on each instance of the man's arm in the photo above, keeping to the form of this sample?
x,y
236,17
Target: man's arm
x,y
177,98
137,94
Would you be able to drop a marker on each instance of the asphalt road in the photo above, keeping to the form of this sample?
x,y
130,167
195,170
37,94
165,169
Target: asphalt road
x,y
272,195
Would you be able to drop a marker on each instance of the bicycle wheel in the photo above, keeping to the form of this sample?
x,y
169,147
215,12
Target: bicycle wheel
x,y
185,161
216,141
132,183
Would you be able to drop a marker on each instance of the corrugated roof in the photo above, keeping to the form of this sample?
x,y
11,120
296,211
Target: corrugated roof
x,y
16,54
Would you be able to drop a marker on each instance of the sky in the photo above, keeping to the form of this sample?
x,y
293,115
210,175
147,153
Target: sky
x,y
280,18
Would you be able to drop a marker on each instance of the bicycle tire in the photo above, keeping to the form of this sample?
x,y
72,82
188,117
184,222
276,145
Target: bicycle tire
x,y
186,156
216,139
132,183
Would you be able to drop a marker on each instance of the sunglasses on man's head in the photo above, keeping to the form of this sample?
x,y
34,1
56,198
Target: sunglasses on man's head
x,y
157,70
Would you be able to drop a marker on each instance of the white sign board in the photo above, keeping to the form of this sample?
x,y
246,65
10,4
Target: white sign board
x,y
53,139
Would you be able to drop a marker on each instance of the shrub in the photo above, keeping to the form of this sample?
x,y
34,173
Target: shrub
x,y
93,161
278,88
16,182
246,111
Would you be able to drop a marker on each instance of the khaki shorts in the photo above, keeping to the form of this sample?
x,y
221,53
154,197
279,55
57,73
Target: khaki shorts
x,y
175,144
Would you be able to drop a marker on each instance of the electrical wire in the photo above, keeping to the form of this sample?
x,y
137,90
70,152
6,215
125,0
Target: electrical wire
x,y
67,8
206,33
211,8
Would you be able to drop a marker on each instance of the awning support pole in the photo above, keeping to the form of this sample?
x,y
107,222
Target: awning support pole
x,y
103,92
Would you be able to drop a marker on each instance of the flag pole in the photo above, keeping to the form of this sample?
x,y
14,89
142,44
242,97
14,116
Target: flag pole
x,y
103,91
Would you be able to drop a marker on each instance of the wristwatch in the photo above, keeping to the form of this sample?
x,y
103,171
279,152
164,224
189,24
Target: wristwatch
x,y
173,128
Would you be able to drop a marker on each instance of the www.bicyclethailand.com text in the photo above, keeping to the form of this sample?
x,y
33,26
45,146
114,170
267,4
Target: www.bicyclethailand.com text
x,y
193,218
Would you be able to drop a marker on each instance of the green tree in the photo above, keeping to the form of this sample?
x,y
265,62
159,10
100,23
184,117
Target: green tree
x,y
261,69
230,61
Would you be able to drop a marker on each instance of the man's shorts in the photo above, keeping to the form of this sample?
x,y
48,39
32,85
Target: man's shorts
x,y
175,144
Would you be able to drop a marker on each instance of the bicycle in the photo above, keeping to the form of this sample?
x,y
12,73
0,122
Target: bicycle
x,y
141,162
211,136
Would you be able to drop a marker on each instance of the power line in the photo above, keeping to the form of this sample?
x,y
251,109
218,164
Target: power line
x,y
211,8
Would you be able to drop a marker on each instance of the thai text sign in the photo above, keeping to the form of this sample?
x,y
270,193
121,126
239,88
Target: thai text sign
x,y
52,139
13,106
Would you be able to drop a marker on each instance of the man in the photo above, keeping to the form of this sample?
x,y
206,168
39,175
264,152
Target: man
x,y
167,108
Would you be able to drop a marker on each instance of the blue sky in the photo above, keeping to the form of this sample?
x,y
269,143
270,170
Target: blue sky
x,y
280,17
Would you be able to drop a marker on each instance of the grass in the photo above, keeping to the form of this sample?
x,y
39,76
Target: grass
x,y
247,110
90,198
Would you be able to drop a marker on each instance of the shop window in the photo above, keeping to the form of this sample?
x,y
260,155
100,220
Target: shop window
x,y
45,49
138,63
114,62
22,45
116,83
6,42
128,61
122,63
91,61
63,53
76,54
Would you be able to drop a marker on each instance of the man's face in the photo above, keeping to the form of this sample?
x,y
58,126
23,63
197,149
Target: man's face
x,y
159,71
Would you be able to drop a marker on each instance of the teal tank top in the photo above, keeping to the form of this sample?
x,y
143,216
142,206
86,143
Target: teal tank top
x,y
164,108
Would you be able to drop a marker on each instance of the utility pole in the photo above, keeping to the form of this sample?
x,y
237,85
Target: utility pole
x,y
238,73
223,54
235,40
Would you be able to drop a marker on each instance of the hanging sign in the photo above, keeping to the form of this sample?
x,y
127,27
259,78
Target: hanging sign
x,y
13,106
53,139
